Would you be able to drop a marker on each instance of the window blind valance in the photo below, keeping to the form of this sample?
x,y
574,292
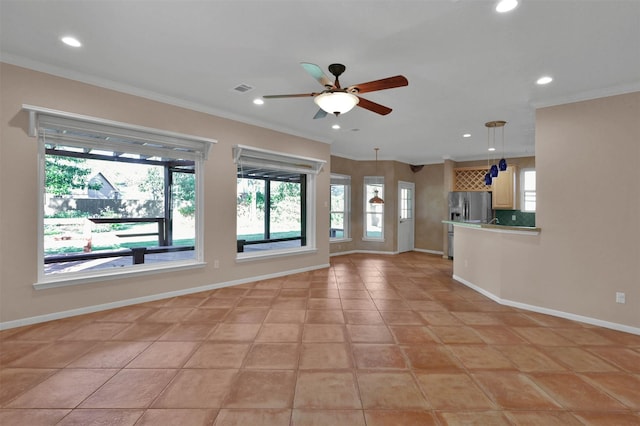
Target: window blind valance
x,y
337,179
255,157
96,133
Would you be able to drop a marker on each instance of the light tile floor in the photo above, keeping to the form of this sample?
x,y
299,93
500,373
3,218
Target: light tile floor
x,y
373,340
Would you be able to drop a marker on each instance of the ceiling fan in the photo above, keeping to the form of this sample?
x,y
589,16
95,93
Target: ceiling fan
x,y
337,100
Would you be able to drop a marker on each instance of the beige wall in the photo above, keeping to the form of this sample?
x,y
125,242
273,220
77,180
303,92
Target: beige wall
x,y
431,207
19,198
589,212
393,172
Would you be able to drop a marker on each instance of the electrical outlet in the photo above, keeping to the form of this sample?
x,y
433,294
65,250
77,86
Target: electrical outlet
x,y
216,264
513,217
620,297
466,263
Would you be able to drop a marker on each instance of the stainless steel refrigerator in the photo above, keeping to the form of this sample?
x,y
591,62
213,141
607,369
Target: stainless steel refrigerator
x,y
469,206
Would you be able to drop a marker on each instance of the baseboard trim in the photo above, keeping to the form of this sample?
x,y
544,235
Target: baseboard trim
x,y
150,298
429,251
547,311
342,253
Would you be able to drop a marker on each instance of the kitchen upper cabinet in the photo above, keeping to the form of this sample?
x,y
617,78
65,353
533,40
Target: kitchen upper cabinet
x,y
504,190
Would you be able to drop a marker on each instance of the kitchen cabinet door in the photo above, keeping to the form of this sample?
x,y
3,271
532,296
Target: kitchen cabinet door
x,y
504,190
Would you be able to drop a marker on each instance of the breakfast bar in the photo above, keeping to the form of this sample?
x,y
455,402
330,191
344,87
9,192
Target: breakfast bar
x,y
491,258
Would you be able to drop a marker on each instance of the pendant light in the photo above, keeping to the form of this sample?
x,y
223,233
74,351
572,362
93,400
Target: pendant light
x,y
376,199
502,164
488,179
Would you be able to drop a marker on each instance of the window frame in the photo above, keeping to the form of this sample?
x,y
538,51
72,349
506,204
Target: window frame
x,y
344,180
371,181
524,192
286,162
96,133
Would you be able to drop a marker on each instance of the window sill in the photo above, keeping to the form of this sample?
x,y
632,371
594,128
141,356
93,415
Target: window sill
x,y
339,240
375,240
248,257
64,280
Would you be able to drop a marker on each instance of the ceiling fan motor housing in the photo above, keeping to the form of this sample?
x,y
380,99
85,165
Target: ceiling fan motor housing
x,y
337,69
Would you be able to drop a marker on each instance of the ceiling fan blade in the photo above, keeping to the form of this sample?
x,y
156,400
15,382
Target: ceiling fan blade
x,y
374,107
385,83
317,73
295,95
320,114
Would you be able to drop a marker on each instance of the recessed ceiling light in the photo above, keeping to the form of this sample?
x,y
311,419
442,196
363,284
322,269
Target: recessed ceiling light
x,y
492,149
258,101
335,127
466,135
544,80
71,41
506,5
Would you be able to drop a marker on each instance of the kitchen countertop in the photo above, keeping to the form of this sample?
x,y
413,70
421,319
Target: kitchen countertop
x,y
495,228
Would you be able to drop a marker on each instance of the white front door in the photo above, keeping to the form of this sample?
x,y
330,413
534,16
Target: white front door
x,y
406,213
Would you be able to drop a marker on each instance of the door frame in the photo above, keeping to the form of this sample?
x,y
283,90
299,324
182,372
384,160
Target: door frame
x,y
400,242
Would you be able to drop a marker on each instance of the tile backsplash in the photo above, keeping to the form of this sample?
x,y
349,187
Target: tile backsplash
x,y
505,217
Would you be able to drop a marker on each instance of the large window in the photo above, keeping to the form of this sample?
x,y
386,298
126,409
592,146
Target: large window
x,y
374,212
275,202
340,196
270,209
116,198
528,201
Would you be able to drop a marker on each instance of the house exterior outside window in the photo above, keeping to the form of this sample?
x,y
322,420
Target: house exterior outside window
x,y
276,203
373,213
528,192
116,199
340,207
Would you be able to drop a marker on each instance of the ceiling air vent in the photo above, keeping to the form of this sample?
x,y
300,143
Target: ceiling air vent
x,y
243,88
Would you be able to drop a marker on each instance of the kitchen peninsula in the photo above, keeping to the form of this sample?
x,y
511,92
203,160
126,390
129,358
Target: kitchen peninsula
x,y
495,228
491,259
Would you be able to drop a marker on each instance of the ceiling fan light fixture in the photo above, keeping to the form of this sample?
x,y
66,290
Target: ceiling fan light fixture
x,y
336,102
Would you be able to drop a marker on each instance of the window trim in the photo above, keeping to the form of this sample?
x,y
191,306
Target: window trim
x,y
370,180
345,180
259,157
163,141
311,167
523,192
132,137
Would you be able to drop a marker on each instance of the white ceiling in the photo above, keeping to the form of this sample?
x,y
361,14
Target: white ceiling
x,y
466,64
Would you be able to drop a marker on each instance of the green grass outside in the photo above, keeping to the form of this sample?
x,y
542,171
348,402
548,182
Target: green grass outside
x,y
181,242
253,237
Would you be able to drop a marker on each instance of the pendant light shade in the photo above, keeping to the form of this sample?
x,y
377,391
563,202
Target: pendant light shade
x,y
376,199
336,102
493,171
502,165
488,179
